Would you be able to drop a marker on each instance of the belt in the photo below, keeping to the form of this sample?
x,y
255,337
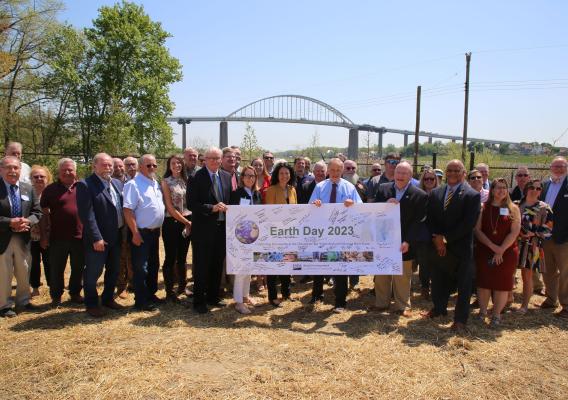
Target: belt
x,y
148,230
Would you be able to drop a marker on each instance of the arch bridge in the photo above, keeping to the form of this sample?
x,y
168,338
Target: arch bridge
x,y
296,109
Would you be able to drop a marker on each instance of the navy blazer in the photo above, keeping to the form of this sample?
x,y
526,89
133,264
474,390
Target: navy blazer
x,y
456,223
97,211
201,199
413,205
30,210
559,212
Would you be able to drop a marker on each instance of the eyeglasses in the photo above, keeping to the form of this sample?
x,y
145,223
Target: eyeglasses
x,y
269,158
537,188
249,176
350,168
500,188
522,175
392,162
475,178
39,177
429,179
151,166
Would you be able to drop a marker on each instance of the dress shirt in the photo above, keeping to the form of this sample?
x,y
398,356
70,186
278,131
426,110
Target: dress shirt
x,y
345,191
553,190
454,188
115,196
486,184
211,174
25,172
143,196
400,192
9,191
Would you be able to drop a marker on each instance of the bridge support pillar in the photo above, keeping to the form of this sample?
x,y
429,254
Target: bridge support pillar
x,y
453,140
353,148
223,134
430,139
381,144
405,140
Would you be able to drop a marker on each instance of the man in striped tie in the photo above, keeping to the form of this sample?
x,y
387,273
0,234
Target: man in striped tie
x,y
453,210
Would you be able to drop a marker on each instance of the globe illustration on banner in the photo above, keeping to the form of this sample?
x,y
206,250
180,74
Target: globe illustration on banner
x,y
247,232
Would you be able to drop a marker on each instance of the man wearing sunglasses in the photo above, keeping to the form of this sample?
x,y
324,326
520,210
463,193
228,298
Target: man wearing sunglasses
x,y
391,161
144,212
99,203
268,158
522,176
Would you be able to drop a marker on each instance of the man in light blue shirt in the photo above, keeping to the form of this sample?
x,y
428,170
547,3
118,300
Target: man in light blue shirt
x,y
334,190
144,213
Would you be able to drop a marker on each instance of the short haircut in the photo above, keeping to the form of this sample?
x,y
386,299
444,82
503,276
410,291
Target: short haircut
x,y
392,156
66,160
320,164
98,156
8,158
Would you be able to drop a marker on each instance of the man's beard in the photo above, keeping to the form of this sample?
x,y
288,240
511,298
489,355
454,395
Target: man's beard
x,y
351,178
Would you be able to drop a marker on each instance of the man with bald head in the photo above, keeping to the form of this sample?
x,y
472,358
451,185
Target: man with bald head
x,y
555,194
453,209
413,202
333,190
144,212
118,171
99,203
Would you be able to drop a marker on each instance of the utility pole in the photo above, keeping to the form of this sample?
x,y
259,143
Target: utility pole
x,y
466,107
418,95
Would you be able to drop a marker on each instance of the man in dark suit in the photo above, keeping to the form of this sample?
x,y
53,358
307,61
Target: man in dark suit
x,y
413,202
452,213
555,194
320,172
99,202
208,195
19,210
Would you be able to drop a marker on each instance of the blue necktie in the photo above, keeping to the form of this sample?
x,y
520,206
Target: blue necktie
x,y
16,206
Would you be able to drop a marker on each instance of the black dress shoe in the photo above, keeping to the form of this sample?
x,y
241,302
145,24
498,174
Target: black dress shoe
x,y
201,309
218,303
155,299
275,304
31,307
7,313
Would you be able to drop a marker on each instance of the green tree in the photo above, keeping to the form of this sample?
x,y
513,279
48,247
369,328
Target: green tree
x,y
249,146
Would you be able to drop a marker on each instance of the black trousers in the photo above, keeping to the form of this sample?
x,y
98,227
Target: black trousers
x,y
208,256
339,287
59,251
272,282
176,247
39,255
452,271
424,260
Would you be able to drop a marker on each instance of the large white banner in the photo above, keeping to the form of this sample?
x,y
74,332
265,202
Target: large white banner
x,y
363,239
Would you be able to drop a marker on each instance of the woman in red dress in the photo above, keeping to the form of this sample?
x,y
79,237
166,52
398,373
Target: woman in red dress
x,y
496,253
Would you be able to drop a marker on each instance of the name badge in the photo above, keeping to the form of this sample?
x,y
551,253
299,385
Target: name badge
x,y
25,197
244,201
503,211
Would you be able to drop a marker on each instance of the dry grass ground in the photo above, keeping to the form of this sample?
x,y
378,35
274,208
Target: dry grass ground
x,y
292,352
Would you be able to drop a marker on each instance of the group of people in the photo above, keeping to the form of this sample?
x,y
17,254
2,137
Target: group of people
x,y
466,233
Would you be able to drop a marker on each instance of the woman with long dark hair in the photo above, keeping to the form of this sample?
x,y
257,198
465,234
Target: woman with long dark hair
x,y
281,191
176,228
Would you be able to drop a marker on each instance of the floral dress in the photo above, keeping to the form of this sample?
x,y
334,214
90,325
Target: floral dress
x,y
536,227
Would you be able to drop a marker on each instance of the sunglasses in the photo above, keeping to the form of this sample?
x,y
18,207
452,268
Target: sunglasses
x,y
475,178
376,170
269,158
522,175
429,179
350,168
151,166
537,188
393,162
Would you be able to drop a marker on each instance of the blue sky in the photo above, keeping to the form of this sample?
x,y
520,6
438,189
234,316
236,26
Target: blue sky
x,y
366,58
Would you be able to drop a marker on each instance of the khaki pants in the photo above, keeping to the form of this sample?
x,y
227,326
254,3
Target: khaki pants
x,y
556,274
385,285
15,261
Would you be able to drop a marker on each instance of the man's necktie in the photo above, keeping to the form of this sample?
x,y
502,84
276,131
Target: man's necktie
x,y
333,196
234,182
218,195
448,198
16,204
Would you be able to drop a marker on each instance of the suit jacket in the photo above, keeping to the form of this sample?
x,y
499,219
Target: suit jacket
x,y
97,211
275,195
241,193
559,212
456,223
413,206
373,186
201,199
30,210
306,193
